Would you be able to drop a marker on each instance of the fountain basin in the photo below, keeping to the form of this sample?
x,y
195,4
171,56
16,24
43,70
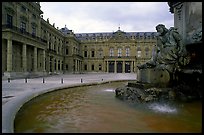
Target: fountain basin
x,y
95,109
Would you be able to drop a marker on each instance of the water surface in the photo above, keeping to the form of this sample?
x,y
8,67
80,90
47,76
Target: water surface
x,y
96,109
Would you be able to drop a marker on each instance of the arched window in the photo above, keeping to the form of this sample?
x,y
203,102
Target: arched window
x,y
111,52
127,51
119,52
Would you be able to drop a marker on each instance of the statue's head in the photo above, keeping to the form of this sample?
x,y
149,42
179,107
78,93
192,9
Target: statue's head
x,y
161,29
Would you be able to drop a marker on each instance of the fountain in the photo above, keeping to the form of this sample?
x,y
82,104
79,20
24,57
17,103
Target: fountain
x,y
164,76
175,69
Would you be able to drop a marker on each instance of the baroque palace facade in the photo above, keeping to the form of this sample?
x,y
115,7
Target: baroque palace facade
x,y
31,46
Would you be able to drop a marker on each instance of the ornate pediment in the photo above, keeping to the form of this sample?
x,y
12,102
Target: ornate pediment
x,y
119,36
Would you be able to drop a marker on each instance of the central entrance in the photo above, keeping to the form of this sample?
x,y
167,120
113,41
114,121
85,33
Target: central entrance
x,y
119,66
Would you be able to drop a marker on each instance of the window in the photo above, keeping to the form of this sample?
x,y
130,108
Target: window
x,y
67,51
23,27
92,53
119,52
59,65
67,67
139,52
34,30
85,67
99,67
9,21
92,67
127,50
111,52
55,64
85,54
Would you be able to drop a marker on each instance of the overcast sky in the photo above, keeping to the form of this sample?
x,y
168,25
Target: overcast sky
x,y
89,17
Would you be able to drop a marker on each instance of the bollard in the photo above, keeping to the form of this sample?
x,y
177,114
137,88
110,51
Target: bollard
x,y
9,80
102,79
81,80
25,80
62,80
43,80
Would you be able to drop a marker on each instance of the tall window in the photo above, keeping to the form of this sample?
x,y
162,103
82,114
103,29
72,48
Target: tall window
x,y
9,21
23,27
100,67
139,52
92,67
92,54
111,52
67,51
55,64
59,65
85,67
34,30
85,54
127,51
119,52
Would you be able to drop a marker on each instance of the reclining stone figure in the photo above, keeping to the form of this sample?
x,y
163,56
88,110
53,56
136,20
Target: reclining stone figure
x,y
169,53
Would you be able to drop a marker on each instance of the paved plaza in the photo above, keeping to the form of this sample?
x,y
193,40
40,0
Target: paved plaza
x,y
13,88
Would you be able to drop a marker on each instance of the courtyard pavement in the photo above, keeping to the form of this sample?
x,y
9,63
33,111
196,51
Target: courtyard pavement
x,y
14,88
16,92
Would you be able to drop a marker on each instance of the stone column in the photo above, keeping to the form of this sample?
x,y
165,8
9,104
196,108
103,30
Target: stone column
x,y
9,55
76,65
24,58
43,63
56,65
60,66
132,67
115,67
53,65
123,70
107,66
35,59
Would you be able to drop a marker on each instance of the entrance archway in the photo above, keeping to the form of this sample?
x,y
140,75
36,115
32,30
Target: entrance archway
x,y
119,67
111,67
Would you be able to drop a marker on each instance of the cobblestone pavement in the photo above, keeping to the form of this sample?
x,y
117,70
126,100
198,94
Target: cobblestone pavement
x,y
17,87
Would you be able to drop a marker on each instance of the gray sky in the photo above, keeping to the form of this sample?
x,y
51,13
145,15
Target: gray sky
x,y
89,17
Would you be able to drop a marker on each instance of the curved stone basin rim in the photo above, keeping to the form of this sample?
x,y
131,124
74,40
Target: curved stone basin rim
x,y
11,108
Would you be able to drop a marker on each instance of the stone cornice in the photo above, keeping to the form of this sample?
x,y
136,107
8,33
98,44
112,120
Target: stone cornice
x,y
172,5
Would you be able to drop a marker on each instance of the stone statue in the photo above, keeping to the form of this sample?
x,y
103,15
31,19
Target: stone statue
x,y
169,53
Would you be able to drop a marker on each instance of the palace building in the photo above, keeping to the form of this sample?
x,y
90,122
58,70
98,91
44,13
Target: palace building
x,y
31,46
